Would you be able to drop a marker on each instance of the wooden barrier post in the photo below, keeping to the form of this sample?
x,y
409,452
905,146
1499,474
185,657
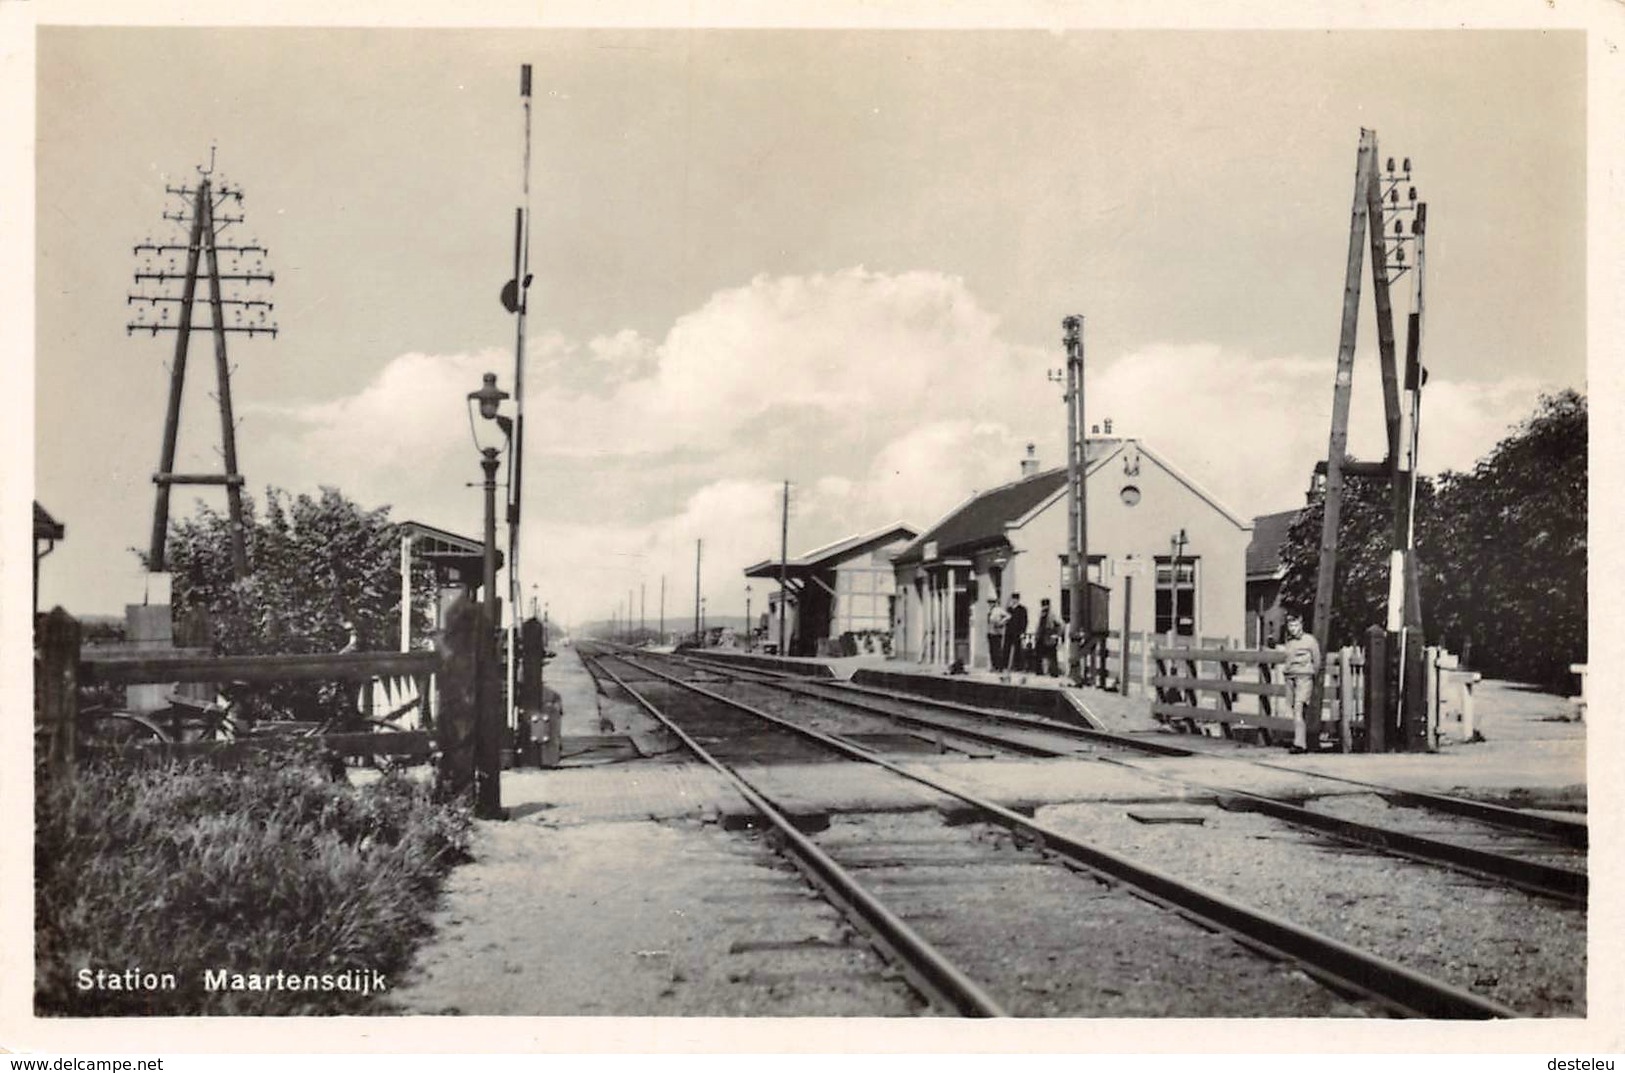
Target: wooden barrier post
x,y
533,649
491,739
459,701
1345,701
1128,622
59,690
1376,690
1416,733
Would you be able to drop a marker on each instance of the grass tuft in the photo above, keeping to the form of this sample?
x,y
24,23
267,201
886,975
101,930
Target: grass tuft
x,y
185,868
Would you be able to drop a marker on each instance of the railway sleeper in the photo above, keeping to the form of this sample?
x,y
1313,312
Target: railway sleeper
x,y
808,823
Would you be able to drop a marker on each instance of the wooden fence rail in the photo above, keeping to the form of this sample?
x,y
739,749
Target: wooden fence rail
x,y
65,667
136,668
1134,677
1242,690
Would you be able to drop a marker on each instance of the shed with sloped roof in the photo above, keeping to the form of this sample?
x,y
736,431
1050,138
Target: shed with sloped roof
x,y
839,588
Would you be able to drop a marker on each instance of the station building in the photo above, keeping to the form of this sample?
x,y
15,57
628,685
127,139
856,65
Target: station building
x,y
840,588
1185,552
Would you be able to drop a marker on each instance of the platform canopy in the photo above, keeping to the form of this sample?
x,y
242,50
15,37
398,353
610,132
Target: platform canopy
x,y
827,557
45,526
444,549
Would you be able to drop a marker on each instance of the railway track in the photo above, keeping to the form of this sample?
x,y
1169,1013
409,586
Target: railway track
x,y
991,917
1537,854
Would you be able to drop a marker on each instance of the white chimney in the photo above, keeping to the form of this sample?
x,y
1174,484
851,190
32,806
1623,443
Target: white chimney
x,y
1029,465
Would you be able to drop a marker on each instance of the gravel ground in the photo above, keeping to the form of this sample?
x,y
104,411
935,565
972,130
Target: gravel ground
x,y
810,712
817,711
1048,942
1460,830
1526,952
642,919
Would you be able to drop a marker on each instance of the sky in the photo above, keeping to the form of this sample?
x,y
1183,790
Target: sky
x,y
834,257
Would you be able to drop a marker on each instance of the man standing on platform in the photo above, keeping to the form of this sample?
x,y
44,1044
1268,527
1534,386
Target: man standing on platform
x,y
1302,653
1048,635
1014,630
996,618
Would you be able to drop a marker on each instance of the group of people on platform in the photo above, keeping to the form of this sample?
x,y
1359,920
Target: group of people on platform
x,y
1012,648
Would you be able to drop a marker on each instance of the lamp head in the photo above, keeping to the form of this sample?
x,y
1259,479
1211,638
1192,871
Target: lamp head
x,y
489,397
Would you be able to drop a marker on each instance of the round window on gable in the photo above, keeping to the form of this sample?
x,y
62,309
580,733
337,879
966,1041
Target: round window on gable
x,y
1130,494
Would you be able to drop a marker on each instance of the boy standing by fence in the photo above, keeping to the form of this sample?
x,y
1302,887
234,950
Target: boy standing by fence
x,y
1302,664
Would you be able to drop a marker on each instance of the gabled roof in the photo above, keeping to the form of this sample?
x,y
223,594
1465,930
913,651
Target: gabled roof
x,y
980,521
1264,550
830,555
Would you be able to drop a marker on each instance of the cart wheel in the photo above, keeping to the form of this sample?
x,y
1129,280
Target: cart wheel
x,y
116,727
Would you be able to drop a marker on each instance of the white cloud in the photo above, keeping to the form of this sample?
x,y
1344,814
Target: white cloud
x,y
1251,429
883,397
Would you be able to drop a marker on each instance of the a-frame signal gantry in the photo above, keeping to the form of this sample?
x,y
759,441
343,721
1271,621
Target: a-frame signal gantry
x,y
1377,201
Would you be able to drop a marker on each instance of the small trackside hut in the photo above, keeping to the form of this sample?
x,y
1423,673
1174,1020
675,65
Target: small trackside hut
x,y
839,589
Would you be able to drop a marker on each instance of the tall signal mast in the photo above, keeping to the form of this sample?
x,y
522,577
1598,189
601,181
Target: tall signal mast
x,y
1377,202
158,308
514,300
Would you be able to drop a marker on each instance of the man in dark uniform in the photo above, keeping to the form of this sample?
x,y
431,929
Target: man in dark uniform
x,y
1014,631
1047,634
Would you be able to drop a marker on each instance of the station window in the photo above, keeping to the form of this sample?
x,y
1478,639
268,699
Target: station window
x,y
1176,596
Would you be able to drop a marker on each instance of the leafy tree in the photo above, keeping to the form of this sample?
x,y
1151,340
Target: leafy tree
x,y
1363,546
1512,572
318,567
1501,551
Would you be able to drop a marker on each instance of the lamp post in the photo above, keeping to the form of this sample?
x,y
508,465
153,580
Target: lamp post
x,y
1176,544
749,633
488,721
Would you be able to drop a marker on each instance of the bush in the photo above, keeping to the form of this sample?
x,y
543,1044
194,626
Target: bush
x,y
184,869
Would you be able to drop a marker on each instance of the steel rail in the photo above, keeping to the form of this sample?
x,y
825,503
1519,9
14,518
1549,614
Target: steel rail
x,y
931,973
1534,877
1567,831
1341,966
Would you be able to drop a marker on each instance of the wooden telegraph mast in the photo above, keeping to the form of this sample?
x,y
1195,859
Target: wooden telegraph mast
x,y
158,273
1079,635
1377,201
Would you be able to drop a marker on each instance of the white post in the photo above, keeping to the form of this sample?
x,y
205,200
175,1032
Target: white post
x,y
406,592
1469,729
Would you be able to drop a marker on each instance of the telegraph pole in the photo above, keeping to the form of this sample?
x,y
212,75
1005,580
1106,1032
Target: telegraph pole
x,y
1404,599
698,546
1077,536
643,607
784,567
158,266
1342,392
662,608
